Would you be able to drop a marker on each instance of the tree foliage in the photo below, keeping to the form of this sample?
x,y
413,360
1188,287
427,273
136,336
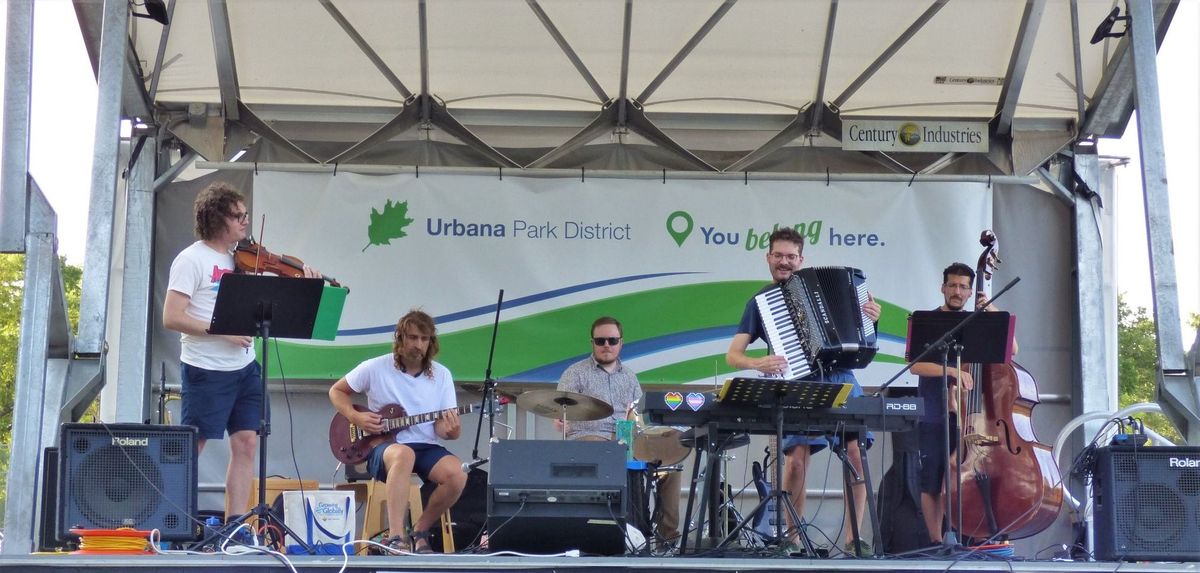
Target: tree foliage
x,y
1137,364
12,290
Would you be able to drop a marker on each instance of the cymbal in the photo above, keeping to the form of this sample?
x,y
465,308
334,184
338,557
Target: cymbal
x,y
552,403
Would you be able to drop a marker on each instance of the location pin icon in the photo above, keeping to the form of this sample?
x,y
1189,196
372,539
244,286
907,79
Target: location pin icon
x,y
673,224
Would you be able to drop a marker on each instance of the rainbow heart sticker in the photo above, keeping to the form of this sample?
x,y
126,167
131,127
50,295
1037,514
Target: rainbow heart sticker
x,y
695,400
673,400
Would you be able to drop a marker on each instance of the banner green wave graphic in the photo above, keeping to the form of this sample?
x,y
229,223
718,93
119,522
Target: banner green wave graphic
x,y
553,336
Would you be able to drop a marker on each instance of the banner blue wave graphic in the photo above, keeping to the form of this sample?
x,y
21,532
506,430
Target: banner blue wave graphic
x,y
516,302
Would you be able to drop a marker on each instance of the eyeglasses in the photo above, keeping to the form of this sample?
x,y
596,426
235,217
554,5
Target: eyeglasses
x,y
240,217
610,340
788,257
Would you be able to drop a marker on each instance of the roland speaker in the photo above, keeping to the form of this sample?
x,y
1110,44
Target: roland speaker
x,y
1147,503
549,496
111,474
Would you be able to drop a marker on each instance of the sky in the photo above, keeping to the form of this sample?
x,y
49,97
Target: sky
x,y
63,116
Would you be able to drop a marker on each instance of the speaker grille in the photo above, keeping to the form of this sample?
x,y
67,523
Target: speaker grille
x,y
128,472
1147,502
127,489
1154,517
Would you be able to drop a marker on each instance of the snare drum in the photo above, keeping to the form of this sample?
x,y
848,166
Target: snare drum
x,y
660,445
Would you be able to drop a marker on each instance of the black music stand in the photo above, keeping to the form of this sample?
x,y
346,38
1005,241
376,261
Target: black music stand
x,y
265,306
977,337
779,394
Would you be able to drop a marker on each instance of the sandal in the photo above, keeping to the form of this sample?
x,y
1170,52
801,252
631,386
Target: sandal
x,y
419,541
397,543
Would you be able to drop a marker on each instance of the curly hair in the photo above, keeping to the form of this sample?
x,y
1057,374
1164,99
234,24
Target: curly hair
x,y
212,206
424,325
786,234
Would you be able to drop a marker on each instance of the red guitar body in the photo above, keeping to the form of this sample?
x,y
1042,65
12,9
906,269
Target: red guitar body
x,y
351,444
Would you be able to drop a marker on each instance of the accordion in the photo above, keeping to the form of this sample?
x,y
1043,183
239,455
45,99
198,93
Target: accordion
x,y
815,320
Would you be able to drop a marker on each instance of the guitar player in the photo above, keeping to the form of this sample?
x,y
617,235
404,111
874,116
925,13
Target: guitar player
x,y
409,377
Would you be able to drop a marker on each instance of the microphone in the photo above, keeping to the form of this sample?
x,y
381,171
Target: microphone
x,y
467,467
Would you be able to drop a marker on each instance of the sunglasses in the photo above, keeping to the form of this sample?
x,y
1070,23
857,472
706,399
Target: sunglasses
x,y
610,340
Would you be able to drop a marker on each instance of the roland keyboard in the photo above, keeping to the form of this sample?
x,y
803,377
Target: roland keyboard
x,y
859,413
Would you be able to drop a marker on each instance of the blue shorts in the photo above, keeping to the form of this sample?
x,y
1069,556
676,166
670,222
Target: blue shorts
x,y
818,442
428,455
215,401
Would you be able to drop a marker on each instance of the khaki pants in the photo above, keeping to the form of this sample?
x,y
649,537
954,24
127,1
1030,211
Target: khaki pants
x,y
669,487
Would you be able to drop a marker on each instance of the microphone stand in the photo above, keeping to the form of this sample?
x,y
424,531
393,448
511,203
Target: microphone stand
x,y
489,393
162,395
943,344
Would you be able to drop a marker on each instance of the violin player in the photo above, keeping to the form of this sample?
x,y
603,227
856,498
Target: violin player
x,y
222,386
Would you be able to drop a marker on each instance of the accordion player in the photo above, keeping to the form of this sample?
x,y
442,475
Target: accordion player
x,y
815,320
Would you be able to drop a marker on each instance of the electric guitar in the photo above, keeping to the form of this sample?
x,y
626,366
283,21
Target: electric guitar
x,y
351,444
764,522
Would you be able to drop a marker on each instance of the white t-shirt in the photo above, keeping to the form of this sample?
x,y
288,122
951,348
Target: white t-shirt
x,y
384,384
196,273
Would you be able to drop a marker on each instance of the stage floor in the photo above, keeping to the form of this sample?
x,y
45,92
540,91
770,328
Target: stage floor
x,y
466,563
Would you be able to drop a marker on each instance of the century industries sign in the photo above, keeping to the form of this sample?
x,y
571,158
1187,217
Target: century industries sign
x,y
927,135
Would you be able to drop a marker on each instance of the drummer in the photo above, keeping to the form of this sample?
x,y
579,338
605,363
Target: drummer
x,y
603,376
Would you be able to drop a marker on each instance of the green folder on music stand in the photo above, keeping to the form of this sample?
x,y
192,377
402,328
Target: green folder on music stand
x,y
329,313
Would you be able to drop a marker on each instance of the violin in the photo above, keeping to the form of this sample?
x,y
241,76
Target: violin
x,y
1008,486
251,257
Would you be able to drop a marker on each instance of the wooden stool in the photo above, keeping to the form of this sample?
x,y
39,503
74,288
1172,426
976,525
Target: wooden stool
x,y
375,510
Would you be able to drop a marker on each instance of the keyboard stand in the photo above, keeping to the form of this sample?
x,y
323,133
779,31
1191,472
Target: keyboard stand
x,y
707,446
782,499
803,394
850,478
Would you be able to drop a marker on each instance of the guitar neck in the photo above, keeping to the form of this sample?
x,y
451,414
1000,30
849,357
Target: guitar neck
x,y
406,421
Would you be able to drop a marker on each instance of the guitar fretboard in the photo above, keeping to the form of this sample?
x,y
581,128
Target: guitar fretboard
x,y
390,424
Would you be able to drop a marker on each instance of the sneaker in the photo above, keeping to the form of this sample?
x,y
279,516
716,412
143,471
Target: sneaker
x,y
858,548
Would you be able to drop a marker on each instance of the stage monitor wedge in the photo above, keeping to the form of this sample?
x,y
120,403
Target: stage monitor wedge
x,y
550,496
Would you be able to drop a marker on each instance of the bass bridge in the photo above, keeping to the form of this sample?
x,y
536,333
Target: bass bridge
x,y
981,440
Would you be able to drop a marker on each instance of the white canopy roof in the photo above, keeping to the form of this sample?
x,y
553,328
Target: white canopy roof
x,y
534,73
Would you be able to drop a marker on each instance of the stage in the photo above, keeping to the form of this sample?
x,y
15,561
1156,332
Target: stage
x,y
462,563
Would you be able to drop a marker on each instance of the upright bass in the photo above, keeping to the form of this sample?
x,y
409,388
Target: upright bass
x,y
1008,483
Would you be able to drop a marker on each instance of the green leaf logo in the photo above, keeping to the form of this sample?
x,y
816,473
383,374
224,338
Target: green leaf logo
x,y
389,224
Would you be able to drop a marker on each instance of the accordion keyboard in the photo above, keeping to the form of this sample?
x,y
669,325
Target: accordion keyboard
x,y
783,339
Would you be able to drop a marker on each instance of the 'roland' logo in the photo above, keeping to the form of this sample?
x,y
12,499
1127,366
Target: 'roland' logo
x,y
144,442
1184,463
899,406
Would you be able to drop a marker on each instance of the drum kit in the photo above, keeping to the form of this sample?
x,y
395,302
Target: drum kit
x,y
654,444
663,449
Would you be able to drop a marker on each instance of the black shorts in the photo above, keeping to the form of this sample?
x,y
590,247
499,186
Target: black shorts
x,y
932,441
